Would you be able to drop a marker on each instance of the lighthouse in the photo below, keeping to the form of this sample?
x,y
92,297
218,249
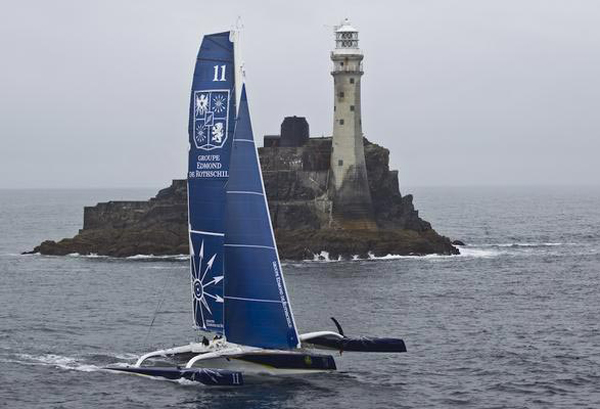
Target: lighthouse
x,y
348,185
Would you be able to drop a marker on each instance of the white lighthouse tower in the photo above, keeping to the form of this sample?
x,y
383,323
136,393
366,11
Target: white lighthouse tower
x,y
349,186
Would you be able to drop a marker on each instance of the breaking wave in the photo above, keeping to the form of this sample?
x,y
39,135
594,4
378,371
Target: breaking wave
x,y
478,252
464,253
142,257
174,257
486,250
91,255
323,257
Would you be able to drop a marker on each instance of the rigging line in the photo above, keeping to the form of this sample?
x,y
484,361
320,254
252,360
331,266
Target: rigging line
x,y
158,307
276,207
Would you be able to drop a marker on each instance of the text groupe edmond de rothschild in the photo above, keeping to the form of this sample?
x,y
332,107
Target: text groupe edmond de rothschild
x,y
207,165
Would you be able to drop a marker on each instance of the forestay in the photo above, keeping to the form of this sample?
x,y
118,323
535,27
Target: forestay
x,y
257,309
211,123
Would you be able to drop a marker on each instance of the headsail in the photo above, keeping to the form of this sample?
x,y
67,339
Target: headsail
x,y
211,123
257,309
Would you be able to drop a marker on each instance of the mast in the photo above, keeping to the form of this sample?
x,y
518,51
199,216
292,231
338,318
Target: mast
x,y
236,37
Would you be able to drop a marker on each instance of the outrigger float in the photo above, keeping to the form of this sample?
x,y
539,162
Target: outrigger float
x,y
238,289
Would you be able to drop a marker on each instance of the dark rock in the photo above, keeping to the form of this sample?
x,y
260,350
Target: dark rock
x,y
296,180
458,243
305,244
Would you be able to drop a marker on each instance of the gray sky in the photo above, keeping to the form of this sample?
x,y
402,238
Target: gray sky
x,y
463,92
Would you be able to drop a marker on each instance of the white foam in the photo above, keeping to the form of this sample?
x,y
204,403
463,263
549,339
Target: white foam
x,y
321,257
127,356
59,361
410,256
470,253
526,244
475,252
121,364
91,255
178,257
187,382
465,252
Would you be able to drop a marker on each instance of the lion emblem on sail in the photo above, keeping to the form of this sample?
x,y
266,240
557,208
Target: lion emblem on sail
x,y
211,116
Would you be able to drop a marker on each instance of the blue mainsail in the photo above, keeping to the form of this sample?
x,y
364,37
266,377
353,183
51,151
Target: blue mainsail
x,y
257,309
211,123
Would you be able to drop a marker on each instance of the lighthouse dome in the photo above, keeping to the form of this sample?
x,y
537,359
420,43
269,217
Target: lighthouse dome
x,y
346,36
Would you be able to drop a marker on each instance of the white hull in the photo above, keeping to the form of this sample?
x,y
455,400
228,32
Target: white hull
x,y
220,354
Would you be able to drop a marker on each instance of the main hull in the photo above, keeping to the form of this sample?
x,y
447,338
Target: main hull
x,y
221,355
275,363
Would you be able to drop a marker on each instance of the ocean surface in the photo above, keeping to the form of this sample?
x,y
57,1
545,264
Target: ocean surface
x,y
513,322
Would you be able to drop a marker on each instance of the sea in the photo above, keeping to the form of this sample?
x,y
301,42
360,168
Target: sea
x,y
512,322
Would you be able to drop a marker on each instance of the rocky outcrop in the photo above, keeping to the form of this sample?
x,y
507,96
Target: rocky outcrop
x,y
126,228
296,181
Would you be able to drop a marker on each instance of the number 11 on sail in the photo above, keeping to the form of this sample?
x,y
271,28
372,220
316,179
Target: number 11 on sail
x,y
216,77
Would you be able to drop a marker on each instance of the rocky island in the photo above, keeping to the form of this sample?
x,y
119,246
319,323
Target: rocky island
x,y
296,181
334,195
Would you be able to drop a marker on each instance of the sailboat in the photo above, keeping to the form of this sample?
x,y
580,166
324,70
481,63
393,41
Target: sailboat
x,y
237,283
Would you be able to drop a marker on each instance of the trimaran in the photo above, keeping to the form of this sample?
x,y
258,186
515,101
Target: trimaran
x,y
238,290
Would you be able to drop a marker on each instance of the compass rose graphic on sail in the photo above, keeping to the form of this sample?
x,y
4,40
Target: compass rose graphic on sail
x,y
211,115
207,289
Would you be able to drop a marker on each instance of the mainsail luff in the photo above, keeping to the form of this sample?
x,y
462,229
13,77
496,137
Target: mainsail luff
x,y
211,124
257,309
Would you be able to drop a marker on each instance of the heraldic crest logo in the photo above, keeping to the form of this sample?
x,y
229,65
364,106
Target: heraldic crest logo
x,y
211,115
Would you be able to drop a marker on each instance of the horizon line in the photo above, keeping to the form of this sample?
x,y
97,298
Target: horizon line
x,y
476,185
